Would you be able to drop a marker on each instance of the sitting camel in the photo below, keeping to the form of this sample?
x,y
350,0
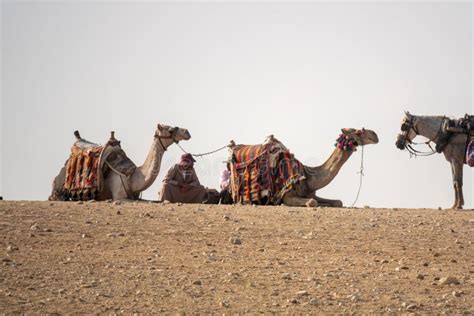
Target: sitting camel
x,y
304,193
269,173
115,184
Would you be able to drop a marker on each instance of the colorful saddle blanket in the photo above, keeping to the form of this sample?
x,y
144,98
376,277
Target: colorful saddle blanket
x,y
82,180
470,153
263,174
87,165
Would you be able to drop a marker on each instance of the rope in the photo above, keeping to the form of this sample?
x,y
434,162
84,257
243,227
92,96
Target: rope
x,y
203,154
361,172
415,153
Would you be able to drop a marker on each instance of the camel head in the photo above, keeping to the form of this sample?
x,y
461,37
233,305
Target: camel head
x,y
361,136
175,134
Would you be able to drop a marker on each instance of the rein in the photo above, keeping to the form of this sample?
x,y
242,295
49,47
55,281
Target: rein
x,y
412,151
361,172
203,154
415,153
345,142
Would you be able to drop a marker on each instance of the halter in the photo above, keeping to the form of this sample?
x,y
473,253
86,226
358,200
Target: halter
x,y
410,125
171,136
346,142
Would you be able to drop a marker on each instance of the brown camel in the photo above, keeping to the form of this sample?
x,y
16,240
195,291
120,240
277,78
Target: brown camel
x,y
117,186
318,177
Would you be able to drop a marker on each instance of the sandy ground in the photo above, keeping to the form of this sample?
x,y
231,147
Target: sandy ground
x,y
94,257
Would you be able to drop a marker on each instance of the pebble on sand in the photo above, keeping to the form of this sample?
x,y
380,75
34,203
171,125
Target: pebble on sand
x,y
448,280
225,304
11,248
235,241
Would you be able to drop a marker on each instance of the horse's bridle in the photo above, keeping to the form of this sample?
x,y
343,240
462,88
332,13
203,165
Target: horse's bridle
x,y
171,136
408,125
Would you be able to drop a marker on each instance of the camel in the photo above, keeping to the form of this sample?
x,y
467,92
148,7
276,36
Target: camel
x,y
452,146
299,188
304,194
117,186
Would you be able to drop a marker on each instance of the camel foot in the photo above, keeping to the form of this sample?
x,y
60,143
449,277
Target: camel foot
x,y
298,201
328,202
311,203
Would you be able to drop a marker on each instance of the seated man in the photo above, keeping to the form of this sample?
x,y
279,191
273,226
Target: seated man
x,y
225,197
181,184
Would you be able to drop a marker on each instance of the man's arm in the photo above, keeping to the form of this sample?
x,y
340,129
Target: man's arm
x,y
195,181
170,176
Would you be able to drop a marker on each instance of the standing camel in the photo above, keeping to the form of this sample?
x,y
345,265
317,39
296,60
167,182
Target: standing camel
x,y
454,148
116,185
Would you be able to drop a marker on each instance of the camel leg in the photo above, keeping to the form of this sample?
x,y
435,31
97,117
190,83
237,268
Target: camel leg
x,y
457,171
292,200
328,202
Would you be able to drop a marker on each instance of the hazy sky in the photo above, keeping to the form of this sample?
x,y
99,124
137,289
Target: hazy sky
x,y
234,71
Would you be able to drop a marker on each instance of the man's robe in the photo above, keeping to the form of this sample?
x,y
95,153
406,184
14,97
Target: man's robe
x,y
182,185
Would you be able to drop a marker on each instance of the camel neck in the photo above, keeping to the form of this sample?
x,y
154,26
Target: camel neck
x,y
146,174
319,177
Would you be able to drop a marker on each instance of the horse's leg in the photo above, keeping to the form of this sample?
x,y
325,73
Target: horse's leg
x,y
332,203
293,200
457,169
454,186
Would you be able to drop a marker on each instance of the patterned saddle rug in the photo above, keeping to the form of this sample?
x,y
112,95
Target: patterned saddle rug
x,y
263,174
87,165
82,181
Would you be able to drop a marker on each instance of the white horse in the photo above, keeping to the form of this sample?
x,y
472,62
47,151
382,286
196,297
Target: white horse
x,y
453,148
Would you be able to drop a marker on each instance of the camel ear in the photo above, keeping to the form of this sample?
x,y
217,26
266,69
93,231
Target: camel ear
x,y
407,113
160,127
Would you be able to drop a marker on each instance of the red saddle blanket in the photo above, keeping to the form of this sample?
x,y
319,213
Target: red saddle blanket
x,y
263,174
82,170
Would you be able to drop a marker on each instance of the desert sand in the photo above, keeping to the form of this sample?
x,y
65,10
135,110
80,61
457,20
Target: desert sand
x,y
138,257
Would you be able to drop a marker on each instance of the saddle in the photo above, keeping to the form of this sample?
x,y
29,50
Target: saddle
x,y
450,127
463,125
87,165
263,174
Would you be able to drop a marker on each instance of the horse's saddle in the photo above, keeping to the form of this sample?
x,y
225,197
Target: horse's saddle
x,y
463,125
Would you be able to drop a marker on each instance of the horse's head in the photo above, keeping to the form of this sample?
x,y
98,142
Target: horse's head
x,y
408,131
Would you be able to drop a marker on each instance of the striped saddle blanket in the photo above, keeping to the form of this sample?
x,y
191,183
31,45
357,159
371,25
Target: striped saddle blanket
x,y
263,174
82,180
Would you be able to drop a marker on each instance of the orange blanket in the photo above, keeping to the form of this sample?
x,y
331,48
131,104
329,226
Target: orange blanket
x,y
82,179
